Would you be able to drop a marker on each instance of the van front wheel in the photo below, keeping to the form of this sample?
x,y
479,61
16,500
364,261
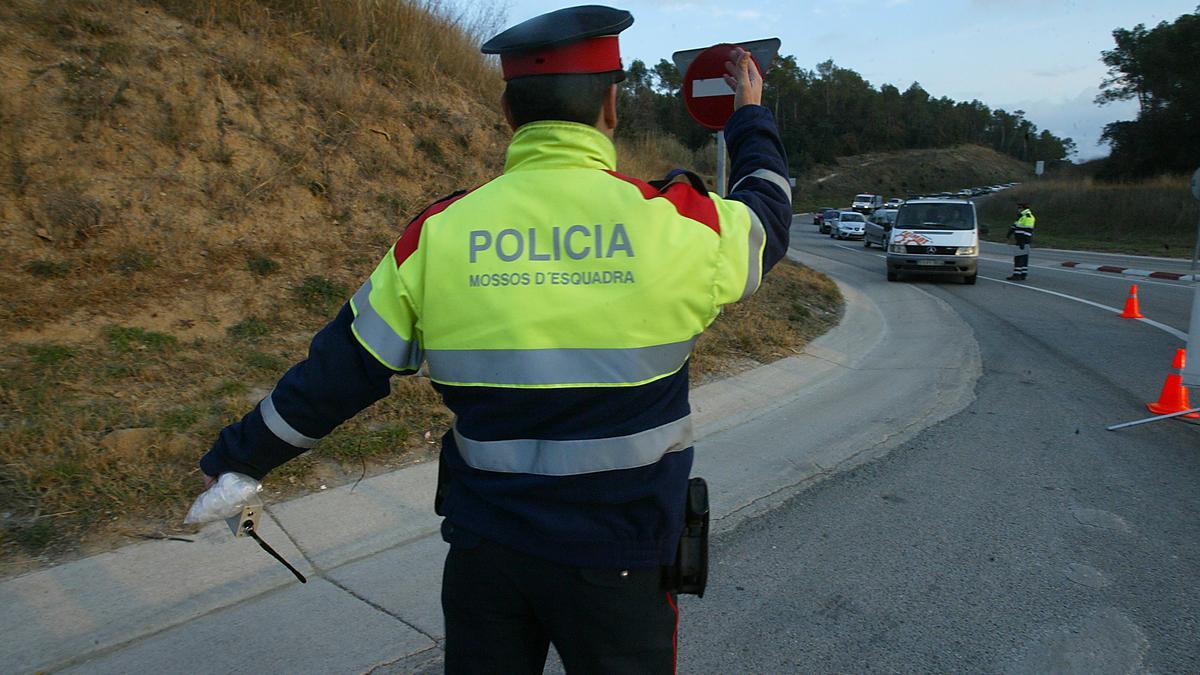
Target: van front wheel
x,y
970,278
893,276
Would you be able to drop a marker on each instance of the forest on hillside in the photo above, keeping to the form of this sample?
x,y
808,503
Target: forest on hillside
x,y
830,112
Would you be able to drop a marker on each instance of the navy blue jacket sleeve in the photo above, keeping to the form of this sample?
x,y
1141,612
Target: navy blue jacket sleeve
x,y
337,380
759,176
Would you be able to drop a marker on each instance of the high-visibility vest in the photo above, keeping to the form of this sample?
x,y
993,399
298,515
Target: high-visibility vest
x,y
1026,220
559,273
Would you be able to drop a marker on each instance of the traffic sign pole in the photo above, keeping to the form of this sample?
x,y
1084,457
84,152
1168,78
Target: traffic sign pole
x,y
1191,370
722,158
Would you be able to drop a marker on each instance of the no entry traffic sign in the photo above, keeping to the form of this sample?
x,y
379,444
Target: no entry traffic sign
x,y
708,99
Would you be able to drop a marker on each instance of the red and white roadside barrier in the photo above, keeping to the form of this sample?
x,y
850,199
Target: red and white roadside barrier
x,y
1130,271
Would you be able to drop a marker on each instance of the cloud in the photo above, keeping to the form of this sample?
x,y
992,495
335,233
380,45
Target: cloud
x,y
1061,71
1077,117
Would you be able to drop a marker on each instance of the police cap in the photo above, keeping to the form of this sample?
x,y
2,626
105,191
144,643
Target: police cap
x,y
573,40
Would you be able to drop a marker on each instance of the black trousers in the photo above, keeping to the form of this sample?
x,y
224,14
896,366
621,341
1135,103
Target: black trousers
x,y
503,609
1021,259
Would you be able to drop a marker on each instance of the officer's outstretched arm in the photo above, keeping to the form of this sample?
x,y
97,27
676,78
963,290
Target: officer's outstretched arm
x,y
759,177
759,165
349,365
337,380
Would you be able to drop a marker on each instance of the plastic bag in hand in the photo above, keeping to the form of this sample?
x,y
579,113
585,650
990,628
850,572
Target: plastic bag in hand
x,y
224,499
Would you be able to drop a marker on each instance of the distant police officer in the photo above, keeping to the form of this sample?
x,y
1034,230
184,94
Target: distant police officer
x,y
556,307
1022,234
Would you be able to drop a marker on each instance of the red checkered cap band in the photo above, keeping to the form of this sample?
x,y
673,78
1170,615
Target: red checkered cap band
x,y
594,55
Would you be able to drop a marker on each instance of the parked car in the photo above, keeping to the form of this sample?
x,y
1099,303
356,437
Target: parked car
x,y
879,228
849,225
935,236
893,203
828,220
819,215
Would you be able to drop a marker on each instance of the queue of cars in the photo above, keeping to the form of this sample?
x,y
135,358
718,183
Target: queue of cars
x,y
930,234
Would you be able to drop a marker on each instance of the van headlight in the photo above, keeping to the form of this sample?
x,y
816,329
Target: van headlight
x,y
965,250
896,248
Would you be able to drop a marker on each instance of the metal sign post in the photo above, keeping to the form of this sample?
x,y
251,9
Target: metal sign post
x,y
1191,369
722,158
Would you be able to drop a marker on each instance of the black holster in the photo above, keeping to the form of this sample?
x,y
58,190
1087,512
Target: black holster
x,y
689,574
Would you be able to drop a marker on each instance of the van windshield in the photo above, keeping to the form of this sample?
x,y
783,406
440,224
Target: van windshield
x,y
864,198
936,217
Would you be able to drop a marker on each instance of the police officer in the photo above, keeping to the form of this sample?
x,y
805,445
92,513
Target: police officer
x,y
1022,234
556,307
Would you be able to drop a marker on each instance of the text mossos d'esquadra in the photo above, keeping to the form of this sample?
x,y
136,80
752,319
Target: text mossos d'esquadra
x,y
575,242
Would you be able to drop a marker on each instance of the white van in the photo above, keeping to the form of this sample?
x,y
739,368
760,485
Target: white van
x,y
934,236
865,203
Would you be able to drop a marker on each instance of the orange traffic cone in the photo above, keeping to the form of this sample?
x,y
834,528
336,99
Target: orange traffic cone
x,y
1174,396
1131,305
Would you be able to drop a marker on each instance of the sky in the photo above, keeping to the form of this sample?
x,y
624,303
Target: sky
x,y
1040,56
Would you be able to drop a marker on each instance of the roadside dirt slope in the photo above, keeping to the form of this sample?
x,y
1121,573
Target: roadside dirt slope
x,y
906,173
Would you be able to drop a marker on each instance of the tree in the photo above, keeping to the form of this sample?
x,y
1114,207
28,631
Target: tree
x,y
1157,67
830,111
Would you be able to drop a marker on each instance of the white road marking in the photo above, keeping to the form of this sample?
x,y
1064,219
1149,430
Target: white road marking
x,y
1150,322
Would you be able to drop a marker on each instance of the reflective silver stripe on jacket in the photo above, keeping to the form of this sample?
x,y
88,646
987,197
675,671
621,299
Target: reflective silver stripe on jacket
x,y
557,366
279,426
770,176
395,352
758,235
568,458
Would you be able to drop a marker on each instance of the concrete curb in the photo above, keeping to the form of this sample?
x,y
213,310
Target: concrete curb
x,y
1129,271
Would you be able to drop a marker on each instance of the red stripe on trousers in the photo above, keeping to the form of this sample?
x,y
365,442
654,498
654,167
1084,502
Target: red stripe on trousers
x,y
674,636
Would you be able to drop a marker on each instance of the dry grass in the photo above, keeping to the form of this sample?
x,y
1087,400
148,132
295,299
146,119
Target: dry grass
x,y
185,197
1152,217
423,43
651,157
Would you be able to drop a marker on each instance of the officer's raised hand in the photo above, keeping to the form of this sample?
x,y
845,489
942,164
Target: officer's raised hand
x,y
743,78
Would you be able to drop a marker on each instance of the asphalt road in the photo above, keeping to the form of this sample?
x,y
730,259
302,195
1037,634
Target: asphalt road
x,y
1016,536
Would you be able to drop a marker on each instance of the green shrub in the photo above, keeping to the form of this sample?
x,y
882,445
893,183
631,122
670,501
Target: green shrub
x,y
249,328
262,265
50,355
48,269
320,295
127,339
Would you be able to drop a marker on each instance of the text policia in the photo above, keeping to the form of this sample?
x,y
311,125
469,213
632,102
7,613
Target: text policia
x,y
575,242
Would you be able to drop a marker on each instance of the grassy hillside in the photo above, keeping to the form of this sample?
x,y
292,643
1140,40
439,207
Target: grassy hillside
x,y
188,190
1153,217
905,173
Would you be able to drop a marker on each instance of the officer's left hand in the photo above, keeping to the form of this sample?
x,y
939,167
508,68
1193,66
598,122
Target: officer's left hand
x,y
743,78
